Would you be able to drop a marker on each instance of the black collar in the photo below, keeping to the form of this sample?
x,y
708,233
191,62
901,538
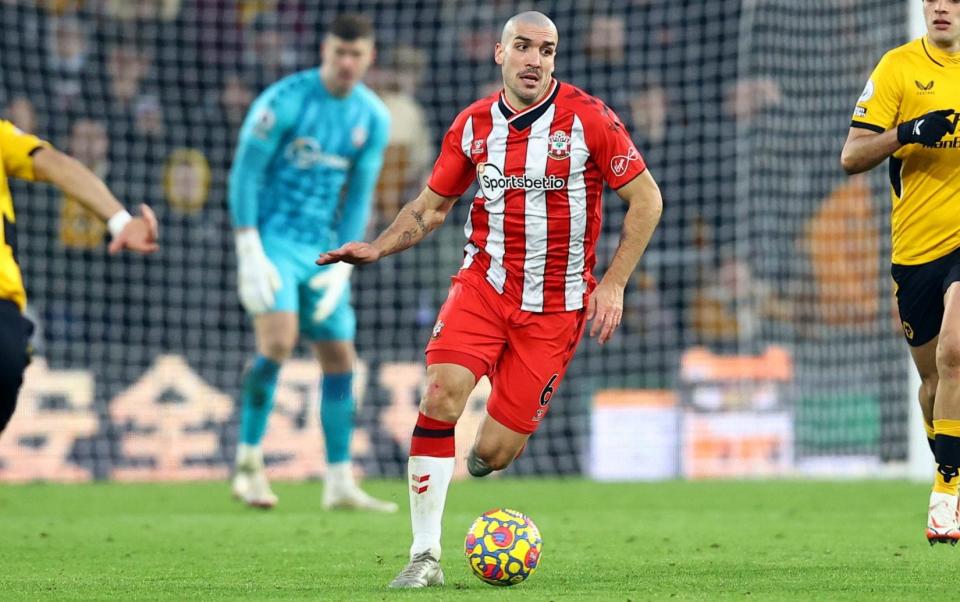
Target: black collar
x,y
521,120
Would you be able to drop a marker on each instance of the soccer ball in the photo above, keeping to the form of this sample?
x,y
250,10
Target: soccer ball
x,y
503,547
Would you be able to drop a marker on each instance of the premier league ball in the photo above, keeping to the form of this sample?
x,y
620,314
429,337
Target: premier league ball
x,y
503,547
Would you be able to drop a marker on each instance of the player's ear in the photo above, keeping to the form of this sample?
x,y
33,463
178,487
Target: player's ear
x,y
498,53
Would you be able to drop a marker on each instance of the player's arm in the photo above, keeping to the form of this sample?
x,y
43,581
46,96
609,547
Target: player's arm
x,y
358,198
260,137
138,234
354,213
866,148
451,176
876,131
416,219
645,205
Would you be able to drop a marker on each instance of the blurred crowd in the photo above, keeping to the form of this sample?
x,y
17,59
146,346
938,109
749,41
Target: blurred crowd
x,y
150,95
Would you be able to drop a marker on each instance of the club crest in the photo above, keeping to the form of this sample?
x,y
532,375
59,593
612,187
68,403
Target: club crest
x,y
558,145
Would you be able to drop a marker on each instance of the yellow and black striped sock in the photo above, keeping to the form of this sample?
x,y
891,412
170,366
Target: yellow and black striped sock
x,y
947,453
931,435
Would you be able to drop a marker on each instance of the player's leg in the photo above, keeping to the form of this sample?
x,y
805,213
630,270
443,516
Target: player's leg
x,y
327,320
923,292
337,408
14,357
525,379
946,421
430,469
494,448
468,338
925,359
276,336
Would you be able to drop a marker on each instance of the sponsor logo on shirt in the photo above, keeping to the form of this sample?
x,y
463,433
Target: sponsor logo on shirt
x,y
860,112
924,89
493,184
620,163
305,152
558,145
867,93
479,147
955,143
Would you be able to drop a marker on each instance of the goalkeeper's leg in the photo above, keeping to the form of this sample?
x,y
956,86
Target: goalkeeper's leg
x,y
276,336
337,408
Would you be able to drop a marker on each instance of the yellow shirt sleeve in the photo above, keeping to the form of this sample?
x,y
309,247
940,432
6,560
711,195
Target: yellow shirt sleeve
x,y
878,107
15,149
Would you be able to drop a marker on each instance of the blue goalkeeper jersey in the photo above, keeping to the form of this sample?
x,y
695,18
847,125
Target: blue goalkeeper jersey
x,y
307,162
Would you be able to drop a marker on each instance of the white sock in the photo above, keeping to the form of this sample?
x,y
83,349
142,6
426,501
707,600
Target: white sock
x,y
249,457
339,475
429,479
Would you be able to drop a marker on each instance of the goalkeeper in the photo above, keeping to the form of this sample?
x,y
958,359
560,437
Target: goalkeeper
x,y
308,157
906,112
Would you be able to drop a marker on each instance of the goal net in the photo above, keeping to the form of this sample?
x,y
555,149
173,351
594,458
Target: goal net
x,y
758,335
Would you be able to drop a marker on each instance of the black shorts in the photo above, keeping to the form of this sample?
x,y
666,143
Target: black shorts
x,y
15,331
920,291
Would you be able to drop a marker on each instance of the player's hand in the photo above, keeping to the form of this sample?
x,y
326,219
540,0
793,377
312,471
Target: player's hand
x,y
333,282
354,253
927,129
257,277
605,308
139,235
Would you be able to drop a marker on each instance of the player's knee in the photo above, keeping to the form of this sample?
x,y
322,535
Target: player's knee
x,y
443,400
948,357
440,403
495,458
276,350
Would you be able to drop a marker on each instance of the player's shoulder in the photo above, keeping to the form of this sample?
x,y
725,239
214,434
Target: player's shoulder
x,y
478,108
904,54
293,85
590,109
8,130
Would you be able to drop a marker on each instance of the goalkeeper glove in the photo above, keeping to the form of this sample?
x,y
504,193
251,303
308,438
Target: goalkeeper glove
x,y
333,281
257,278
926,129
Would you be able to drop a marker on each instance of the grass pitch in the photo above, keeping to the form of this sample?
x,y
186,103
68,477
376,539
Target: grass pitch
x,y
755,540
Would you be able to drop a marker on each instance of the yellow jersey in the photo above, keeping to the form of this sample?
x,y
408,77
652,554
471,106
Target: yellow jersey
x,y
909,81
16,151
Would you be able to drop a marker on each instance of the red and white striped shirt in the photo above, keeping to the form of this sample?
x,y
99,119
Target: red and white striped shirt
x,y
535,220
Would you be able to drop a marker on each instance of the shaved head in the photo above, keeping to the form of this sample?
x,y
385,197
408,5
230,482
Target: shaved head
x,y
530,18
525,54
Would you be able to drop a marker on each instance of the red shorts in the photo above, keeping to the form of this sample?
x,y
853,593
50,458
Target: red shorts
x,y
524,353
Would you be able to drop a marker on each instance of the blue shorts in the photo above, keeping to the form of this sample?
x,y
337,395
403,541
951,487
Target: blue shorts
x,y
295,264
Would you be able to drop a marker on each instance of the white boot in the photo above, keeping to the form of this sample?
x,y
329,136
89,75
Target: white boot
x,y
250,483
942,524
340,491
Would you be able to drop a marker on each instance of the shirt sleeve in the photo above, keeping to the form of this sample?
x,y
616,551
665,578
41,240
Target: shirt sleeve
x,y
454,170
363,179
16,148
612,149
878,107
270,117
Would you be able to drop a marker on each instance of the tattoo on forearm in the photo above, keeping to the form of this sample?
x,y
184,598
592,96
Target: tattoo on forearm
x,y
418,217
405,241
